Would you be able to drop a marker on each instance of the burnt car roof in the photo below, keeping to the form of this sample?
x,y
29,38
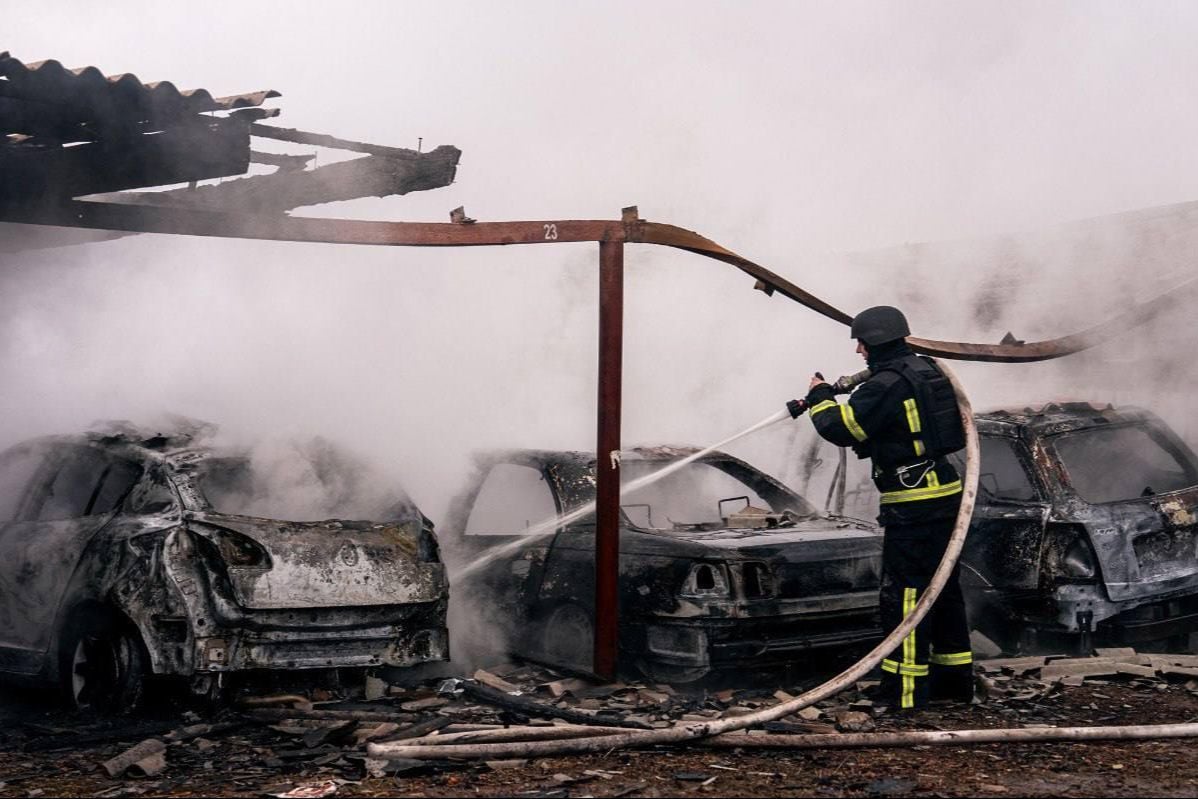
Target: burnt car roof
x,y
658,454
127,439
1059,417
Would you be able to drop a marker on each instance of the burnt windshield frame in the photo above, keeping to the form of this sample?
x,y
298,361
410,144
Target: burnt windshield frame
x,y
228,483
1175,449
778,497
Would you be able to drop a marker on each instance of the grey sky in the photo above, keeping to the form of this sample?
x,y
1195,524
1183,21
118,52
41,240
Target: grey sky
x,y
840,125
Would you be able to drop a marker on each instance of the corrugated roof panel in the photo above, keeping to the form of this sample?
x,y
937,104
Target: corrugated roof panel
x,y
59,100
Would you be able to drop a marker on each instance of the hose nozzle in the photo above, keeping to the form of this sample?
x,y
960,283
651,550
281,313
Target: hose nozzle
x,y
845,384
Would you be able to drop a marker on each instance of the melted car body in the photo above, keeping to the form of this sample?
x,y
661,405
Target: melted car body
x,y
126,555
721,565
1084,530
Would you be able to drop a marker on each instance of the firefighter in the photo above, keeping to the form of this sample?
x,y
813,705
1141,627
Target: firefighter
x,y
904,417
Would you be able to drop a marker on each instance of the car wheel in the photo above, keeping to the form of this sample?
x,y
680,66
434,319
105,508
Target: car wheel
x,y
568,638
101,665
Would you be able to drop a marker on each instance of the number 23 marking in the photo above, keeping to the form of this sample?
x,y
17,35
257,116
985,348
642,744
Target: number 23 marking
x,y
550,231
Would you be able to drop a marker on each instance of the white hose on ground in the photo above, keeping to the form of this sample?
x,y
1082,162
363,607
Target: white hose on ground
x,y
512,734
689,732
869,740
879,740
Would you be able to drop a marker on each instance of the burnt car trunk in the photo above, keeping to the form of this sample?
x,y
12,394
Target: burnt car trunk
x,y
275,564
309,594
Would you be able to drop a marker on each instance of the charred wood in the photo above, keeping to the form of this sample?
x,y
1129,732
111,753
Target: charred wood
x,y
529,707
280,714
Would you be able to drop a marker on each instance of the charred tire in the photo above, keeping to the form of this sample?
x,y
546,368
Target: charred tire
x,y
670,674
101,664
567,638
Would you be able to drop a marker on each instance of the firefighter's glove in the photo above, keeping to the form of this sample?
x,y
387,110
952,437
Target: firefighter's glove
x,y
797,408
818,393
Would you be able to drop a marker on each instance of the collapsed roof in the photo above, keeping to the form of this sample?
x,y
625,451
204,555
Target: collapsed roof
x,y
70,133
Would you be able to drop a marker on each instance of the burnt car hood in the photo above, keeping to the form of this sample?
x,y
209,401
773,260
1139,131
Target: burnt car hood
x,y
812,558
331,563
810,540
1148,546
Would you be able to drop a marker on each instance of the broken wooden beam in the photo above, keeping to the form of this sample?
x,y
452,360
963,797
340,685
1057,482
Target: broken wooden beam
x,y
323,140
419,729
282,714
290,187
530,707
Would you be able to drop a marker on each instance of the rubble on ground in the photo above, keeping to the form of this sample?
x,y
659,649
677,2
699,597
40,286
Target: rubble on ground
x,y
292,745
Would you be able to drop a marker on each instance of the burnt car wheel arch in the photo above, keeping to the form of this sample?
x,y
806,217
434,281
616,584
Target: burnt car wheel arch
x,y
567,636
102,661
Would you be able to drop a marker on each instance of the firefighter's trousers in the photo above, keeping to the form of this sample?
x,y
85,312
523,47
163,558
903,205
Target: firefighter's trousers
x,y
934,661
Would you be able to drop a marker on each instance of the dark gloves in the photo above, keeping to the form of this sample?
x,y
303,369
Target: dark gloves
x,y
818,394
797,408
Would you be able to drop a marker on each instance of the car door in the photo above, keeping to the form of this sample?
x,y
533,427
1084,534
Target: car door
x,y
511,500
1000,563
71,493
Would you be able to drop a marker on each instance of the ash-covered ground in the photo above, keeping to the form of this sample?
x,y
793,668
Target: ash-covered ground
x,y
278,746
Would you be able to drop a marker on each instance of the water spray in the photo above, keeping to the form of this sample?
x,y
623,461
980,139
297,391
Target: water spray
x,y
549,526
546,527
694,731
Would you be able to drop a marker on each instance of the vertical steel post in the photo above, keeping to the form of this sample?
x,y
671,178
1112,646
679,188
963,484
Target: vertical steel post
x,y
607,490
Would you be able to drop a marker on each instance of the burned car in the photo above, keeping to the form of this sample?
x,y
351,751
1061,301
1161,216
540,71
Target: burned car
x,y
1084,530
721,565
125,555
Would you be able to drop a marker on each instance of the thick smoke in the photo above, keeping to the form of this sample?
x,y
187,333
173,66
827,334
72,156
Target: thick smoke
x,y
791,133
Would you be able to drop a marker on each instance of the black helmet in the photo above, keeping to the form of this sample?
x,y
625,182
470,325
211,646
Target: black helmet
x,y
880,324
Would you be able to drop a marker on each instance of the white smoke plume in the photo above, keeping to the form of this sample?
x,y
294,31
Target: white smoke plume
x,y
801,135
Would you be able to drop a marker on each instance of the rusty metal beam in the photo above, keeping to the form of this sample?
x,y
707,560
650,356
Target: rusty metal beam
x,y
607,453
147,219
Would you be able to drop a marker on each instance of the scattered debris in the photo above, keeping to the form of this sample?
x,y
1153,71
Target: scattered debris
x,y
312,790
854,721
375,688
146,759
421,705
889,786
531,707
326,744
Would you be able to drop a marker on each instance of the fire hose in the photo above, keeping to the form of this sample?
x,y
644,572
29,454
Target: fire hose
x,y
690,732
718,732
632,229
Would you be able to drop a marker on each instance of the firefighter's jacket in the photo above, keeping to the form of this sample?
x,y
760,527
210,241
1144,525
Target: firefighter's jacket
x,y
881,421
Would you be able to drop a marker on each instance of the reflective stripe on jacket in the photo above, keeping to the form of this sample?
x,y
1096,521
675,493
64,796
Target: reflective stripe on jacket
x,y
881,421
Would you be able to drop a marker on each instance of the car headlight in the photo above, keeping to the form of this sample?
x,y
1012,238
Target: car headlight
x,y
1078,560
1068,554
756,580
707,581
241,551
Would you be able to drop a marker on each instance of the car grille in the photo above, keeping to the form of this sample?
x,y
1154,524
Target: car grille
x,y
797,580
